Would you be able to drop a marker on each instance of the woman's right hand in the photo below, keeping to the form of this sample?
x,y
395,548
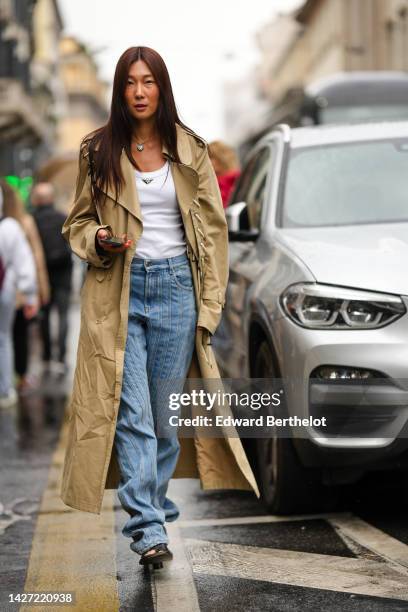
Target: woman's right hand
x,y
103,234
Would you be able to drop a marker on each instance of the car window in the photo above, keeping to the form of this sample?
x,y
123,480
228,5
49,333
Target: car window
x,y
243,182
251,188
347,184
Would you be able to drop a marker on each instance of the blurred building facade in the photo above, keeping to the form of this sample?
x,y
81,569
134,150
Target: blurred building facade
x,y
27,127
85,109
49,92
50,96
241,97
328,36
85,91
319,39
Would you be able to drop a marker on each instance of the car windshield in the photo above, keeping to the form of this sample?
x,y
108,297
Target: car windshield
x,y
347,184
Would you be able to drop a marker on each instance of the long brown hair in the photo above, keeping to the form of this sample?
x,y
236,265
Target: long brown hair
x,y
116,134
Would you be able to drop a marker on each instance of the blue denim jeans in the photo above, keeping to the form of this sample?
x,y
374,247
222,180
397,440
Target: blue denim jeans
x,y
160,344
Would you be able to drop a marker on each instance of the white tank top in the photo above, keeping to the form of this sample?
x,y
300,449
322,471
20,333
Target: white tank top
x,y
163,229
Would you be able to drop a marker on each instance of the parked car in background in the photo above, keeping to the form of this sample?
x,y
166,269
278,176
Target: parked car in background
x,y
344,97
318,295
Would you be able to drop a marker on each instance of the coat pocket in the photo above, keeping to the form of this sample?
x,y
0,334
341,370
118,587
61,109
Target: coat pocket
x,y
100,292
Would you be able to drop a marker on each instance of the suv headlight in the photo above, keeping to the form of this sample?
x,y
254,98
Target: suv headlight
x,y
328,307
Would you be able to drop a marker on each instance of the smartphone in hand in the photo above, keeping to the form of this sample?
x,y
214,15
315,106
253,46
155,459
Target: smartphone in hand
x,y
112,241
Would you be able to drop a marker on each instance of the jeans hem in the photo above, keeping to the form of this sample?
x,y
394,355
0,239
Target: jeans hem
x,y
135,546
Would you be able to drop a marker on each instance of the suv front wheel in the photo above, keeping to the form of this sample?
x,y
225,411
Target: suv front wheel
x,y
286,486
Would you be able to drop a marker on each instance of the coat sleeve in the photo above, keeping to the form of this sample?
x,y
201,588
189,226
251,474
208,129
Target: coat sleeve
x,y
215,244
82,224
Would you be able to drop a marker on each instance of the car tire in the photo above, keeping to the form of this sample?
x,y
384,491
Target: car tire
x,y
286,486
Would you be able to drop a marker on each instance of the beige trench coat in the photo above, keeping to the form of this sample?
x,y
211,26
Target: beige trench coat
x,y
90,463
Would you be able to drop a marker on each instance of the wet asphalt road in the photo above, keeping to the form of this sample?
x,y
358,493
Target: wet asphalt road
x,y
230,554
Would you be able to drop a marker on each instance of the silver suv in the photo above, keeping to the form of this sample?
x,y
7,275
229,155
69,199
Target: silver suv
x,y
318,296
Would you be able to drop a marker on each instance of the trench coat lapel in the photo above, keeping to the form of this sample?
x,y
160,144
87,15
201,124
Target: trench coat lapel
x,y
186,186
128,197
184,176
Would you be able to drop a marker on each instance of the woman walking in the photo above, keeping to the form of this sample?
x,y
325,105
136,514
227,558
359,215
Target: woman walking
x,y
149,306
19,276
14,208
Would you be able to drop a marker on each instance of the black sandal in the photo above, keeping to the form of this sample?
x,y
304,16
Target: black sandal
x,y
162,553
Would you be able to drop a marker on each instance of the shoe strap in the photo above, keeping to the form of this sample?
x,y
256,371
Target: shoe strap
x,y
157,547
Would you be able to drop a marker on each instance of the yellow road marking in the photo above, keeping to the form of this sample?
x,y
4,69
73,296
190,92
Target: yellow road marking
x,y
73,550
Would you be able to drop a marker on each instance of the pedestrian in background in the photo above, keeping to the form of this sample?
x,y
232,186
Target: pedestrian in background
x,y
226,166
59,267
13,207
20,275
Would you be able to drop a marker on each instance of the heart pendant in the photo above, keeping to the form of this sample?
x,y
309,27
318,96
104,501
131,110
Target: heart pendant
x,y
147,181
139,147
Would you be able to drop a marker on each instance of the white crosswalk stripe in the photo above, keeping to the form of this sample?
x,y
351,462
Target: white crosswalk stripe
x,y
374,539
323,572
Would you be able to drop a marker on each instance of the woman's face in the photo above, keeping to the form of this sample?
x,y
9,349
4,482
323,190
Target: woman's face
x,y
141,92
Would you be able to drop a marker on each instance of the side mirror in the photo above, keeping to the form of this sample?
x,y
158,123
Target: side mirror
x,y
237,220
233,215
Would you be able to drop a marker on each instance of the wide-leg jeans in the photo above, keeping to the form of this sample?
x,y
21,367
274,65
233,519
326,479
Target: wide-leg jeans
x,y
160,344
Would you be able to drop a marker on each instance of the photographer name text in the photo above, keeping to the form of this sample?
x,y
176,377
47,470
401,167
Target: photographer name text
x,y
260,421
